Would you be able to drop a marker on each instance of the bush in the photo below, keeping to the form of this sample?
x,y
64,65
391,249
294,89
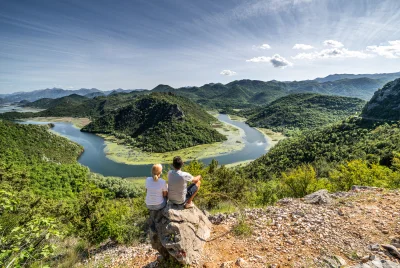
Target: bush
x,y
359,172
300,181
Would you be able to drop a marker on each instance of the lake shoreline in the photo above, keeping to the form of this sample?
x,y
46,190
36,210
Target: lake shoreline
x,y
272,137
77,122
121,153
116,151
246,143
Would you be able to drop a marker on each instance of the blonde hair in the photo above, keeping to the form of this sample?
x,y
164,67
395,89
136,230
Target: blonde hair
x,y
156,171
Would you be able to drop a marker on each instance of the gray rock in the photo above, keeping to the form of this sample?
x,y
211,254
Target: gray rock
x,y
333,262
377,263
217,219
340,260
396,242
374,247
364,188
180,233
392,250
285,201
319,197
241,263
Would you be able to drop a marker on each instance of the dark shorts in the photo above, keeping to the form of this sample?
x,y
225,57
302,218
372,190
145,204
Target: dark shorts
x,y
191,190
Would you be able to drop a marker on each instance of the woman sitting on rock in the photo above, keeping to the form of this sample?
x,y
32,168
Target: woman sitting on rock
x,y
156,189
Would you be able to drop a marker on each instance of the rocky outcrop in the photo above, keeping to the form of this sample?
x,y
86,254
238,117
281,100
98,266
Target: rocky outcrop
x,y
180,233
385,104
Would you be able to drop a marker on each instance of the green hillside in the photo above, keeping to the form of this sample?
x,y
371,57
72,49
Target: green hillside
x,y
46,103
303,111
351,139
47,197
385,104
159,122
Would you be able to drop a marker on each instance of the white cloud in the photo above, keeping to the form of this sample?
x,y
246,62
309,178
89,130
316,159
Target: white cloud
x,y
333,43
302,46
332,53
276,60
391,51
228,72
263,46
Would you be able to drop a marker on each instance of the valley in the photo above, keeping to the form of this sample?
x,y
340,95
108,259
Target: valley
x,y
90,175
108,156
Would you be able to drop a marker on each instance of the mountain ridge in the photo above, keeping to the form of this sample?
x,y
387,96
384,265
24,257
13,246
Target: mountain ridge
x,y
350,85
384,76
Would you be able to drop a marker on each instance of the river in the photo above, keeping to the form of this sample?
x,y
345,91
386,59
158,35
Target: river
x,y
95,158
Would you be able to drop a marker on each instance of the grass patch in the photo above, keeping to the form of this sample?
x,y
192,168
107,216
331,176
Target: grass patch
x,y
224,207
242,228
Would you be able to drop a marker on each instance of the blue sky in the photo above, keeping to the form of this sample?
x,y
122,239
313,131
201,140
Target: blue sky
x,y
140,44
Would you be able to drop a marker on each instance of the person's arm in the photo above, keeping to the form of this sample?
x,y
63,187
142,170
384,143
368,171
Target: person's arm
x,y
196,179
165,190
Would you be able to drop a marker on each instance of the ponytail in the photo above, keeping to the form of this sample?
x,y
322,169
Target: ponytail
x,y
156,171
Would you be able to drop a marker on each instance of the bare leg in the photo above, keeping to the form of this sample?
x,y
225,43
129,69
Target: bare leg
x,y
189,201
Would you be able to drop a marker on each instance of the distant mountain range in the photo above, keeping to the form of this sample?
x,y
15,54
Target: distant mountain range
x,y
383,76
237,94
250,93
54,93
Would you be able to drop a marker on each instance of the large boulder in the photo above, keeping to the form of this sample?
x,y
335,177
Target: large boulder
x,y
180,233
319,197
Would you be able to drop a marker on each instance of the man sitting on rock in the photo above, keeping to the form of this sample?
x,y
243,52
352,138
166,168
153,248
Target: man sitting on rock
x,y
178,192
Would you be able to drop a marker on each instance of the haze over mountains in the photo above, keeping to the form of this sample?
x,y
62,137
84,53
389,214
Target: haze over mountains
x,y
243,93
383,76
54,93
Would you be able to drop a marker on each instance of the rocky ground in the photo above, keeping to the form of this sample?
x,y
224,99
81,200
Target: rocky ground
x,y
360,227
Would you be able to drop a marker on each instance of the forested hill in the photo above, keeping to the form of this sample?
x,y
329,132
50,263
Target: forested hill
x,y
159,122
47,103
303,111
385,104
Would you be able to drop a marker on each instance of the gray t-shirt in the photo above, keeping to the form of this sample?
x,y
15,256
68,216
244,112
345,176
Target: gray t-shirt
x,y
177,185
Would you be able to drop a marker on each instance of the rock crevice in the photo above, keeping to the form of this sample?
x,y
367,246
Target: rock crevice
x,y
180,233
